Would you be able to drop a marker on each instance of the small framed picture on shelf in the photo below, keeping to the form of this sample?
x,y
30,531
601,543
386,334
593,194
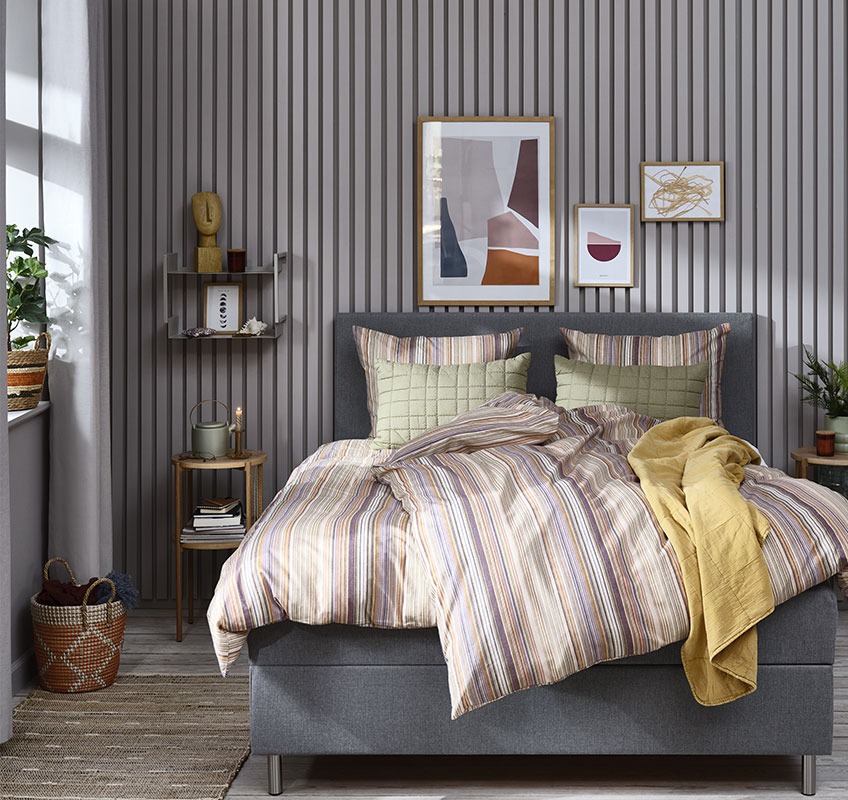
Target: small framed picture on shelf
x,y
682,191
222,307
603,245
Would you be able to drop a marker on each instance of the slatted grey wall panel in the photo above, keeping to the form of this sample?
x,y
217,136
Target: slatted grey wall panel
x,y
301,115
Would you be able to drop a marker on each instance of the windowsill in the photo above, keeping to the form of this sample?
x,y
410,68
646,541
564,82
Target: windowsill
x,y
18,417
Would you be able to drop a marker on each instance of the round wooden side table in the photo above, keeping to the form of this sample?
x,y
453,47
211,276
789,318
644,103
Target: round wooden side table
x,y
248,461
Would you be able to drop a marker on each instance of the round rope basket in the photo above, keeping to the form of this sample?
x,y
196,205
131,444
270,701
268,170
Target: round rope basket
x,y
78,648
25,371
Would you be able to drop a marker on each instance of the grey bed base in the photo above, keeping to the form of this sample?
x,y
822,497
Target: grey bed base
x,y
328,690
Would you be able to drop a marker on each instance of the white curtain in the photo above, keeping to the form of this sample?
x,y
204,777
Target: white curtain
x,y
5,533
75,184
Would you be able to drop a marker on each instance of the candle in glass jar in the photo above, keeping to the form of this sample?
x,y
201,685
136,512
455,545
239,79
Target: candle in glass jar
x,y
239,419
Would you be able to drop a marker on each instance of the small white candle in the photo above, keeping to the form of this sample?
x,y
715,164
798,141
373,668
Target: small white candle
x,y
239,419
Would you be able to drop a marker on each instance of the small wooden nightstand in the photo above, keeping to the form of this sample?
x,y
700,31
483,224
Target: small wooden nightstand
x,y
250,462
805,456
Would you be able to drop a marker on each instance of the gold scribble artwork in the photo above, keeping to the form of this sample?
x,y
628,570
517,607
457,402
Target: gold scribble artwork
x,y
679,195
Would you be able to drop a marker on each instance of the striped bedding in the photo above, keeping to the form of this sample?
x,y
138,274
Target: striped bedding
x,y
519,529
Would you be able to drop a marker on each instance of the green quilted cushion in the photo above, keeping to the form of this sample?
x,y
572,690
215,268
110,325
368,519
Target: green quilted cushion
x,y
412,398
661,392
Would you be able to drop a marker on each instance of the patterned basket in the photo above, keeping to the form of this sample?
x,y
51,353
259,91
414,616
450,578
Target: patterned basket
x,y
25,371
78,648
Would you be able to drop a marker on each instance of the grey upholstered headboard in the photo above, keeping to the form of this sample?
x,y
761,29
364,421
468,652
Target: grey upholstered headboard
x,y
542,338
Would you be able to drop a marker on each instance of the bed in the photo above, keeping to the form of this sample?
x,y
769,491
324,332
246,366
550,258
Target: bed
x,y
335,689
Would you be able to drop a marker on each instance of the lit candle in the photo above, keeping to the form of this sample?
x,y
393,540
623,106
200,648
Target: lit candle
x,y
239,419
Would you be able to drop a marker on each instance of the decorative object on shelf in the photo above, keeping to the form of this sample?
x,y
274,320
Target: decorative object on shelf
x,y
253,327
236,259
207,211
825,386
486,206
682,191
222,307
825,443
603,245
209,438
77,647
197,333
25,302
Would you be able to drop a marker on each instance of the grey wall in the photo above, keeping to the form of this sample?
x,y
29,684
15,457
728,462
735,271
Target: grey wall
x,y
28,454
301,115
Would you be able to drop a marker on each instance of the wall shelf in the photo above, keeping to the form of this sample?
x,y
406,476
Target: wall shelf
x,y
173,323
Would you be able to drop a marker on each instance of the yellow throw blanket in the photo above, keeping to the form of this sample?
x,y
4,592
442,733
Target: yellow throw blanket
x,y
690,470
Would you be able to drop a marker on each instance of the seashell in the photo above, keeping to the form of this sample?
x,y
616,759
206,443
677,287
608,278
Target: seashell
x,y
253,327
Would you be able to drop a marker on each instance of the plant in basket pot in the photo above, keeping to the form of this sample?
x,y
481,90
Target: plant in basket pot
x,y
25,302
825,385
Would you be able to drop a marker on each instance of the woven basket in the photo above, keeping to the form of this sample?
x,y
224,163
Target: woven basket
x,y
25,371
78,648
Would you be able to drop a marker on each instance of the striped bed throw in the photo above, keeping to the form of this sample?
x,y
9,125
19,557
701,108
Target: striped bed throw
x,y
518,528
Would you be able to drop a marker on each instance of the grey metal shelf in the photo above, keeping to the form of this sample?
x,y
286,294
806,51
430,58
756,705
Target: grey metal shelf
x,y
171,268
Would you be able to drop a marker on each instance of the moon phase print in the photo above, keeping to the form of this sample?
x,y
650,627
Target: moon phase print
x,y
222,307
603,245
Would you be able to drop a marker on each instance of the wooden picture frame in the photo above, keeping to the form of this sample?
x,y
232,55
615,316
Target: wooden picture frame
x,y
682,191
222,307
603,244
486,205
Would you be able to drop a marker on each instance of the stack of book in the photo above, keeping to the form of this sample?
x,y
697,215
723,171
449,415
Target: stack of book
x,y
218,519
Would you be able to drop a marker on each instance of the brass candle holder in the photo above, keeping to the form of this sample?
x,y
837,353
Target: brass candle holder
x,y
237,451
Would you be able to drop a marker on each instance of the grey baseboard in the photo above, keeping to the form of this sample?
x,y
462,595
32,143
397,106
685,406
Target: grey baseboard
x,y
23,672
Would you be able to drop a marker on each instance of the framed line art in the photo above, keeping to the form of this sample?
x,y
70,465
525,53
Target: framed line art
x,y
603,245
222,307
485,211
682,191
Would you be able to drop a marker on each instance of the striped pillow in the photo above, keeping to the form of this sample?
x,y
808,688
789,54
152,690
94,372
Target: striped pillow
x,y
684,349
372,345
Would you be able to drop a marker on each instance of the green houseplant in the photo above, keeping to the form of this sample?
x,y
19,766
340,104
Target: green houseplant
x,y
825,385
25,302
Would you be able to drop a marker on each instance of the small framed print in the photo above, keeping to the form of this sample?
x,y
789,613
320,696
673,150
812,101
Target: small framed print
x,y
222,307
682,191
603,245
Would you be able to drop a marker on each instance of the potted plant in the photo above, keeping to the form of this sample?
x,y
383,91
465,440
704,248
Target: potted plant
x,y
25,302
825,385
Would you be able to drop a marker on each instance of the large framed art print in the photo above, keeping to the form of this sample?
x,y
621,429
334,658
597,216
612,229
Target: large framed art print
x,y
485,208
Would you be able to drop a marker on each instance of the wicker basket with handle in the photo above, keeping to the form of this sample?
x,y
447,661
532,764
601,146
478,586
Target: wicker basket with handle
x,y
78,648
25,371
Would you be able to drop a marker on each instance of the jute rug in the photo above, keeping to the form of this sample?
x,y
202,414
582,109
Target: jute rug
x,y
157,737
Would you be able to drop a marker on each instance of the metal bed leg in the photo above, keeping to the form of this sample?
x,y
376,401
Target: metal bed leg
x,y
275,774
808,775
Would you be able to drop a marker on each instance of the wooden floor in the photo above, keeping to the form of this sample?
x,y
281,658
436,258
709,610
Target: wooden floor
x,y
150,649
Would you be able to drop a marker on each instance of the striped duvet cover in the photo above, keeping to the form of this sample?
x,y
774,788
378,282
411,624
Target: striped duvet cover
x,y
518,528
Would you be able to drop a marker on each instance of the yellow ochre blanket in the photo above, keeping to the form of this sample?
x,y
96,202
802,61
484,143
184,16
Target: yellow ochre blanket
x,y
690,470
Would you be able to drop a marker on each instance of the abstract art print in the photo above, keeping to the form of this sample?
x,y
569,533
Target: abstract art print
x,y
682,191
603,245
486,205
222,307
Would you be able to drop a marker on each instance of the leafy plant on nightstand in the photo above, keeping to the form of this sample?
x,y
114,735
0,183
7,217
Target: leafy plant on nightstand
x,y
825,386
